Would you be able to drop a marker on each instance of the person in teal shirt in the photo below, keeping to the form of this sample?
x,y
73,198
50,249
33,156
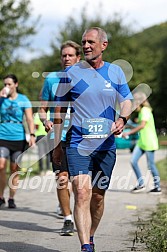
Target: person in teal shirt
x,y
147,143
13,107
70,54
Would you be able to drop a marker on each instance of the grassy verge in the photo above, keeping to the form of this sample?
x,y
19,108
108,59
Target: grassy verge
x,y
162,167
162,141
153,233
162,138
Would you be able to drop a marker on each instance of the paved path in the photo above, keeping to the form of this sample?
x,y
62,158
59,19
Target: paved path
x,y
33,226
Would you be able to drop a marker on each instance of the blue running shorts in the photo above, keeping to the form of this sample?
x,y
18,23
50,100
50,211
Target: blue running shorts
x,y
99,165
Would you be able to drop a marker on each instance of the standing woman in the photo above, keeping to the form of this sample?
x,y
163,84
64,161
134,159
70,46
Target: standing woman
x,y
13,107
147,143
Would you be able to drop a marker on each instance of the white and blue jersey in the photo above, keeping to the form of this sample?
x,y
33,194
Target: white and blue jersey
x,y
93,95
48,94
11,118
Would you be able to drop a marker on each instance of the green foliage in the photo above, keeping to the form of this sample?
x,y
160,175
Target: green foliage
x,y
118,33
29,85
149,52
162,168
161,93
145,51
14,29
154,232
71,30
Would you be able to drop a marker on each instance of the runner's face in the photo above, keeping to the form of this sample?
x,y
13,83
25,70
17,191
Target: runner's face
x,y
69,57
8,82
92,47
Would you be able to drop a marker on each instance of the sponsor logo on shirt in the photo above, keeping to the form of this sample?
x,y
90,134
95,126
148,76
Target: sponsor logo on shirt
x,y
108,86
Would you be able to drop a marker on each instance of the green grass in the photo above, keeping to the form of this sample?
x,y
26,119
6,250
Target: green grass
x,y
153,233
162,139
162,167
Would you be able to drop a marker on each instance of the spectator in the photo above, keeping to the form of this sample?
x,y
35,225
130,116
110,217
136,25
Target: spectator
x,y
147,143
13,106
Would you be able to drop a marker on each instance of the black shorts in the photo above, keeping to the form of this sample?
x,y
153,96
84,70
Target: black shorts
x,y
13,145
11,149
64,164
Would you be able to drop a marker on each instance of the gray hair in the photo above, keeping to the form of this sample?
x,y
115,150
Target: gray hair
x,y
101,33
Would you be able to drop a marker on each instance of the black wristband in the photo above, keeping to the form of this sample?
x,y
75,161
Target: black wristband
x,y
124,119
32,134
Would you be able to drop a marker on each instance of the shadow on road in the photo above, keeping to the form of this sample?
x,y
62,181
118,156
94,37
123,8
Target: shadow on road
x,y
20,247
19,225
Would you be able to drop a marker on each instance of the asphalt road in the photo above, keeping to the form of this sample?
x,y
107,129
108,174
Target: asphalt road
x,y
33,226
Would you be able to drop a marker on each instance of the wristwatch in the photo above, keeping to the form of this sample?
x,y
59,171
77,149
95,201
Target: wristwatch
x,y
32,134
124,119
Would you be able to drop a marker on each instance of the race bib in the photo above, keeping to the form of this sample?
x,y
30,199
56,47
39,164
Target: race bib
x,y
95,128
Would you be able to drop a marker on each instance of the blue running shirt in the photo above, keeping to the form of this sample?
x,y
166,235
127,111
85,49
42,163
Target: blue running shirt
x,y
93,95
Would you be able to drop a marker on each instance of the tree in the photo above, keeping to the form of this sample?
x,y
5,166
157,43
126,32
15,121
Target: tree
x,y
145,51
159,98
14,30
72,29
